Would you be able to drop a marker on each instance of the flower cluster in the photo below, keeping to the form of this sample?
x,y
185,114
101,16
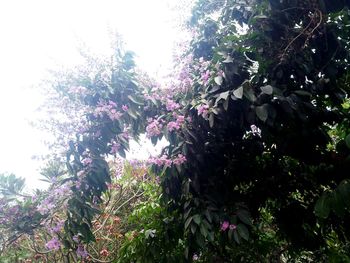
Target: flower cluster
x,y
226,225
58,192
166,161
110,109
176,125
115,146
53,244
154,127
203,110
172,105
81,251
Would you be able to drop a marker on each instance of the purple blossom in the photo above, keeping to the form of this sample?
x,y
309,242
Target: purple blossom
x,y
125,108
179,159
81,251
46,205
114,114
153,128
115,147
203,110
76,238
53,244
172,105
232,226
173,126
205,76
81,173
58,227
224,225
107,108
163,160
87,161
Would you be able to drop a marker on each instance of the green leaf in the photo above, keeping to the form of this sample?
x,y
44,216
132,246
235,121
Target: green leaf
x,y
236,237
268,89
225,104
208,215
228,59
243,231
344,190
244,216
261,112
347,140
303,93
150,233
188,222
238,93
230,233
218,80
204,231
132,113
211,120
322,207
193,228
197,219
248,91
135,100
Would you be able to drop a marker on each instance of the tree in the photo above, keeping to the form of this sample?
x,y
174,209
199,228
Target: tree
x,y
257,120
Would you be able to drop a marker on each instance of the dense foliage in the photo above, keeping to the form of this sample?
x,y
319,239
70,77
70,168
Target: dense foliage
x,y
256,116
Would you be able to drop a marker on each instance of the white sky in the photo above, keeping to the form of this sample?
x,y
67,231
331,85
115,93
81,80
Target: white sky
x,y
37,35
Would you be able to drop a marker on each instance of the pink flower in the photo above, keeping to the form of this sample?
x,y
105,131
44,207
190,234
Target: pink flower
x,y
173,126
172,105
179,159
81,173
58,227
87,161
125,108
153,128
114,114
205,76
163,160
76,238
203,110
115,147
81,251
232,226
53,244
224,225
112,104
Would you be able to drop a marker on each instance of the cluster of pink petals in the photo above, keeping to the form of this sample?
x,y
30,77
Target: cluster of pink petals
x,y
160,161
176,125
115,147
87,161
57,227
153,128
226,225
203,110
205,76
166,161
180,159
55,195
81,251
110,109
172,105
53,244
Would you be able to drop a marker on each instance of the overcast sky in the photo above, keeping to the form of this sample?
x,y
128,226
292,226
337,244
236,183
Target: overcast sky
x,y
38,35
